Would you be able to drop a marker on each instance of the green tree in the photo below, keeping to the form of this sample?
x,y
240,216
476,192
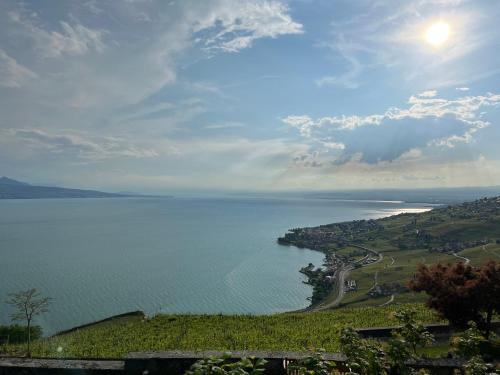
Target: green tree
x,y
363,357
28,304
411,331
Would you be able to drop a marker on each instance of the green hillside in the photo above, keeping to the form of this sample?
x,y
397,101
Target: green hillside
x,y
467,232
280,332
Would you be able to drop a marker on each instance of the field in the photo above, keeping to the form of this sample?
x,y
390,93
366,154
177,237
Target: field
x,y
398,266
281,332
467,232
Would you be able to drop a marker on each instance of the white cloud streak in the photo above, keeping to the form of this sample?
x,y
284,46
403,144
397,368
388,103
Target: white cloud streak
x,y
77,144
13,74
236,25
73,39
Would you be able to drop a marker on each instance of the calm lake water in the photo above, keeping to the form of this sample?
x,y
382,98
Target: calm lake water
x,y
100,257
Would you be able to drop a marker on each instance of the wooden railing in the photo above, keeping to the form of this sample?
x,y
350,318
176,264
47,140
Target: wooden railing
x,y
177,362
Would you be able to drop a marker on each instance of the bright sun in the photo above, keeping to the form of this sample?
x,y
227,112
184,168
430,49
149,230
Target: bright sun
x,y
437,33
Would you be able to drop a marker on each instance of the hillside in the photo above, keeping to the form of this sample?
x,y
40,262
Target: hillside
x,y
369,262
12,189
279,332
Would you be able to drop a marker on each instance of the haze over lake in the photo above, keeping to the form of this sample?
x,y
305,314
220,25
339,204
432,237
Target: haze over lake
x,y
100,257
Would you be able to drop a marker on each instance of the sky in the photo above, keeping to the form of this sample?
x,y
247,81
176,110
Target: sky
x,y
262,95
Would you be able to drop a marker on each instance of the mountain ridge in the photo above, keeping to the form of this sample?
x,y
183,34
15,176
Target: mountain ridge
x,y
11,182
13,189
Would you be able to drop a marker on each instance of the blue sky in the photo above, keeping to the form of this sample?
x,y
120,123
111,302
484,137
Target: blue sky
x,y
159,96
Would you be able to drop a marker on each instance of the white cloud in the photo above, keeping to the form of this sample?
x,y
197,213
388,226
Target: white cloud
x,y
414,153
75,39
350,78
225,125
305,124
428,94
333,145
13,74
236,25
462,89
77,144
425,105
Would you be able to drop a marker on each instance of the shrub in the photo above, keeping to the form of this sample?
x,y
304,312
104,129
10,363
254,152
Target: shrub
x,y
224,366
314,365
17,334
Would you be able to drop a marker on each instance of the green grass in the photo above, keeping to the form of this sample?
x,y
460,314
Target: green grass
x,y
280,332
402,270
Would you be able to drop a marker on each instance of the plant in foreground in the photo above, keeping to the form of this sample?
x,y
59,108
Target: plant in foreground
x,y
363,357
314,365
224,366
28,304
468,345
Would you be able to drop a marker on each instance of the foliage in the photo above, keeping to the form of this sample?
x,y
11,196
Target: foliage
x,y
292,332
398,353
488,290
363,357
461,293
314,365
468,343
28,304
477,366
17,334
411,330
224,366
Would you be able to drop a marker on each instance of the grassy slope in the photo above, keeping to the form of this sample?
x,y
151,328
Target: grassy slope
x,y
407,240
281,332
405,261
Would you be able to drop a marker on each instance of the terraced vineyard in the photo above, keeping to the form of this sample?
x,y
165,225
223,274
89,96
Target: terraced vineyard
x,y
281,332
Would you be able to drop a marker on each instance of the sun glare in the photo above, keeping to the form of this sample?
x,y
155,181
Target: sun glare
x,y
437,33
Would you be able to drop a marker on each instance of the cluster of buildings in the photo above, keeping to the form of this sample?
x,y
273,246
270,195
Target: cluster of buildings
x,y
320,238
454,247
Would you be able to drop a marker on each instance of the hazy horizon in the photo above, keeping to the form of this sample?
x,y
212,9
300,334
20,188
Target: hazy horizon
x,y
434,194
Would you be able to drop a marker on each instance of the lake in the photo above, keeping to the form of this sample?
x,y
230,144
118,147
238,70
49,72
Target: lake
x,y
101,257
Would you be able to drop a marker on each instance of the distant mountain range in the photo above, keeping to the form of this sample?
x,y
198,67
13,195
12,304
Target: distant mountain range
x,y
12,189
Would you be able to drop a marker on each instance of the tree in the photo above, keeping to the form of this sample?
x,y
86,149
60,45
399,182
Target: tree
x,y
406,338
362,356
28,304
489,291
461,293
467,345
413,332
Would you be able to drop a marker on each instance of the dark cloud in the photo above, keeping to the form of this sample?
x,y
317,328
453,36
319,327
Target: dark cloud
x,y
392,138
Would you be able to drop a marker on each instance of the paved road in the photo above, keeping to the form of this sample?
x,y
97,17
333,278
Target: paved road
x,y
467,260
391,300
340,277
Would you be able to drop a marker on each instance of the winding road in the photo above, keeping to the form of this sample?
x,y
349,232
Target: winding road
x,y
391,300
340,277
467,260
